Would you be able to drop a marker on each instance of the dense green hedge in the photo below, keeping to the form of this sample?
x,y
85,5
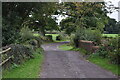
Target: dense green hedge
x,y
110,50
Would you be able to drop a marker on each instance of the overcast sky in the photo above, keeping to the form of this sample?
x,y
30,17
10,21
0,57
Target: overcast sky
x,y
115,14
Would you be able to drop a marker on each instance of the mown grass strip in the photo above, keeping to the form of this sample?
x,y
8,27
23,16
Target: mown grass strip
x,y
110,35
105,63
65,47
30,69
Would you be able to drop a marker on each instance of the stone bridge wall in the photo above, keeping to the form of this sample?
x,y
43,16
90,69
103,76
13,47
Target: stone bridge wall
x,y
88,45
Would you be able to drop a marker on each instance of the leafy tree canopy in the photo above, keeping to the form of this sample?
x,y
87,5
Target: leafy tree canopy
x,y
18,14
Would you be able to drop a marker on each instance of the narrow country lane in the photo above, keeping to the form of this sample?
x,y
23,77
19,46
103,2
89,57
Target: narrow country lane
x,y
69,64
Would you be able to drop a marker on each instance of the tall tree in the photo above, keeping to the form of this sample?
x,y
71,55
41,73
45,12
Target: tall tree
x,y
112,27
89,15
17,14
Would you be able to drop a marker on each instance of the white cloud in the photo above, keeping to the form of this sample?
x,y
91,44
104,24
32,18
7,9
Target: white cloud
x,y
114,14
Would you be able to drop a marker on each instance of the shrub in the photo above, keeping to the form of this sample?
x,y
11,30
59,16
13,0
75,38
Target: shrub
x,y
97,36
28,37
83,51
39,41
40,36
32,44
26,34
110,50
49,37
113,49
87,34
102,52
20,53
105,37
63,36
10,32
72,36
60,37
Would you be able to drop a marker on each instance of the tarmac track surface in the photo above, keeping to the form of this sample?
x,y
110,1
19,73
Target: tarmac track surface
x,y
69,64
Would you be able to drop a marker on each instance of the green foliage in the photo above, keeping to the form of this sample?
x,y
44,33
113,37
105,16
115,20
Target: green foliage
x,y
26,34
30,69
49,37
81,50
88,34
51,24
72,36
35,15
97,36
66,47
63,36
72,48
20,53
10,34
113,27
68,25
84,15
110,50
39,36
102,52
114,51
28,38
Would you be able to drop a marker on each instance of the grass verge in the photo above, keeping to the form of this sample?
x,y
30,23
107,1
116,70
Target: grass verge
x,y
30,69
65,47
102,62
110,35
69,47
81,50
105,63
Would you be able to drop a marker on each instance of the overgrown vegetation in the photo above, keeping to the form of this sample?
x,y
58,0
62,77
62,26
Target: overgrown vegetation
x,y
26,56
81,50
87,34
108,54
110,50
29,69
25,26
36,16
